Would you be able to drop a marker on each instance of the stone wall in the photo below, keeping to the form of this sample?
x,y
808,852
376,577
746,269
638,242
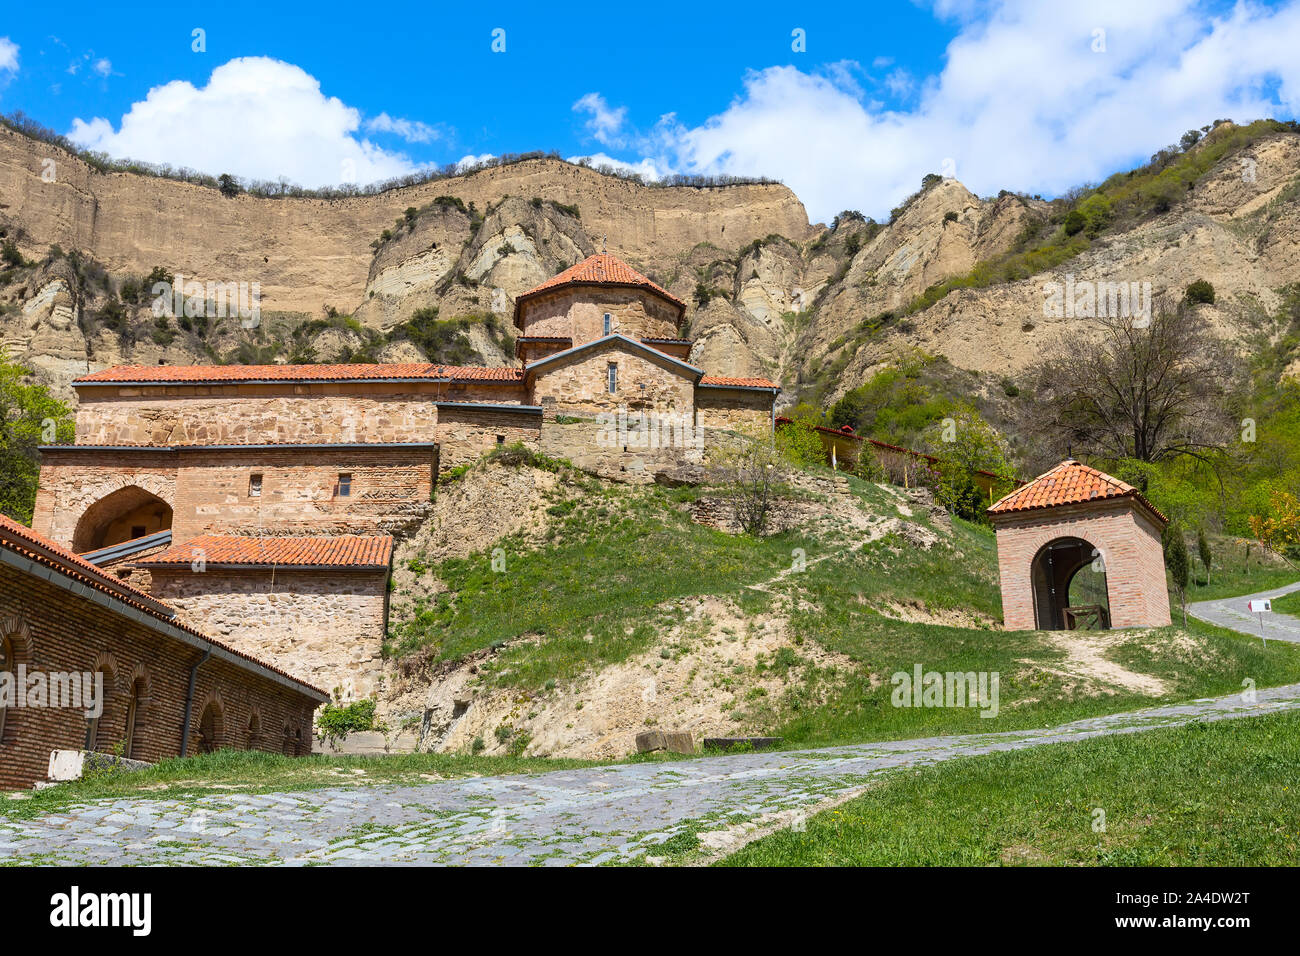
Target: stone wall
x,y
632,453
51,629
266,414
1127,539
390,490
580,386
738,409
579,313
465,434
324,627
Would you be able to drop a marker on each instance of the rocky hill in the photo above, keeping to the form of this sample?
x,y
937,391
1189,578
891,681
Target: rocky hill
x,y
431,270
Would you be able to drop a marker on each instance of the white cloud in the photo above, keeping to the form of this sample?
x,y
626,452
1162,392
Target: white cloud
x,y
257,118
646,168
413,131
1023,102
103,66
469,161
605,124
8,55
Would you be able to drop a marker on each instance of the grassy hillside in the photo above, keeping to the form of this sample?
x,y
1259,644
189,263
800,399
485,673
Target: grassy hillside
x,y
616,577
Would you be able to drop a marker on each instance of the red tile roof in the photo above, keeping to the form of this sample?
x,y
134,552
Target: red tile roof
x,y
737,382
200,374
600,269
339,551
27,543
1070,483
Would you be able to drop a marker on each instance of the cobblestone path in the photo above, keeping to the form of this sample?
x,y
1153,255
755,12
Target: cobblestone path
x,y
617,814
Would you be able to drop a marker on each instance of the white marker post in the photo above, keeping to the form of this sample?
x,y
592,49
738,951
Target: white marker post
x,y
1259,607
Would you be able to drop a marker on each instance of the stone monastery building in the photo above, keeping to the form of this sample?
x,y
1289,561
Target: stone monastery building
x,y
262,500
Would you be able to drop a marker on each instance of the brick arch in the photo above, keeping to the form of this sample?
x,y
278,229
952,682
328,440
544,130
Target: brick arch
x,y
15,634
137,704
1053,570
98,728
129,495
255,731
209,727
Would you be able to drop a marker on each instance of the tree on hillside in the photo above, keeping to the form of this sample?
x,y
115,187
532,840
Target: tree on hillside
x,y
965,443
1203,549
1178,564
29,417
752,470
1152,391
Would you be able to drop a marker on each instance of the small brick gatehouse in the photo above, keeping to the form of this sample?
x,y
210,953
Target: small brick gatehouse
x,y
1072,520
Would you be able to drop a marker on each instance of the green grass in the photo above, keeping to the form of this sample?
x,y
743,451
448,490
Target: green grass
x,y
1238,567
594,594
1207,794
250,771
1288,604
605,587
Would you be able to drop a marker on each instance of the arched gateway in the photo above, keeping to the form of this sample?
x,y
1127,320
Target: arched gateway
x,y
1078,548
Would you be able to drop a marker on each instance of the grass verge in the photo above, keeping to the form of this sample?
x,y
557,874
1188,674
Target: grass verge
x,y
1206,794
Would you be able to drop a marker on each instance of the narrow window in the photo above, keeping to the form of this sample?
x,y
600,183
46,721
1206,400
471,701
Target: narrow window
x,y
345,486
613,377
608,324
131,738
6,666
137,531
254,486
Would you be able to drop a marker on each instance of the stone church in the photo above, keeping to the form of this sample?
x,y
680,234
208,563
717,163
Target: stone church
x,y
262,500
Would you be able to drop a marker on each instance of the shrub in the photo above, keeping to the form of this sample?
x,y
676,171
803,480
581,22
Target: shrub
x,y
1200,291
337,721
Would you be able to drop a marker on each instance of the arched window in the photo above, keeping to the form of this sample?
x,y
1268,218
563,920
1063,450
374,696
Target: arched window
x,y
105,667
15,646
133,744
211,727
254,730
8,672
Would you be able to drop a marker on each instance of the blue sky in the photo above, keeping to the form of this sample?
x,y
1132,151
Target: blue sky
x,y
1016,94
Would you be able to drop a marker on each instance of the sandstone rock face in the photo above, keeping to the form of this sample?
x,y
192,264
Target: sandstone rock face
x,y
768,294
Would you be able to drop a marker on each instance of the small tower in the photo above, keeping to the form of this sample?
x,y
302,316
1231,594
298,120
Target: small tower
x,y
1080,548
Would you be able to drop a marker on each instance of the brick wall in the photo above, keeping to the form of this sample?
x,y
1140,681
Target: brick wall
x,y
391,489
208,490
1126,538
581,385
265,414
326,628
54,630
579,314
72,481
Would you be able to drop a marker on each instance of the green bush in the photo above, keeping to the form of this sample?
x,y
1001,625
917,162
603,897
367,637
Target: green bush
x,y
336,721
1200,291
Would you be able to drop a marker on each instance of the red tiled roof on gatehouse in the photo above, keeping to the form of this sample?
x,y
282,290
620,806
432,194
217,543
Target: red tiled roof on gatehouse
x,y
214,374
344,551
1070,483
600,269
727,381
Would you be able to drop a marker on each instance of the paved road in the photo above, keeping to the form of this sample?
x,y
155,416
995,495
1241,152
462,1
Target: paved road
x,y
614,814
1231,613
